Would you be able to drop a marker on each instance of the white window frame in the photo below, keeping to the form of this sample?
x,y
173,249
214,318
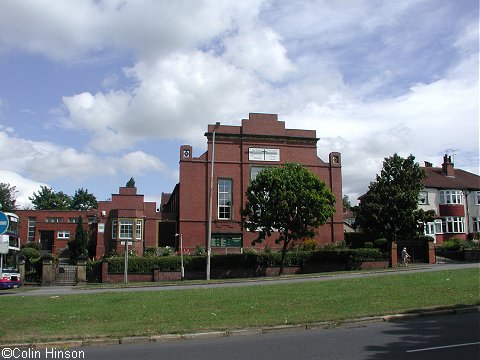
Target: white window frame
x,y
477,198
451,197
138,229
32,223
438,226
476,224
125,229
114,229
63,234
454,225
54,220
224,199
423,195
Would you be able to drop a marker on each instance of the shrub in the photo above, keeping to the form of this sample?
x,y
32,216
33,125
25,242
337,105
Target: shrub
x,y
94,271
167,251
33,263
143,265
150,251
455,244
356,240
337,245
32,245
199,250
367,255
308,245
381,244
233,260
368,245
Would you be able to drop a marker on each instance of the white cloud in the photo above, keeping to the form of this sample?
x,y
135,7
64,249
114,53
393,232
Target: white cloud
x,y
175,98
66,30
24,187
259,50
43,161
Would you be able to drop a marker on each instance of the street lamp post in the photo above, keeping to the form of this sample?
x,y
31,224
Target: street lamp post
x,y
182,269
209,240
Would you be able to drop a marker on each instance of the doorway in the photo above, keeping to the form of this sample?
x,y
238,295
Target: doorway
x,y
166,234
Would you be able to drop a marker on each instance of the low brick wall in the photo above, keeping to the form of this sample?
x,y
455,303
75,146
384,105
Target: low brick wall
x,y
117,278
324,267
471,254
232,273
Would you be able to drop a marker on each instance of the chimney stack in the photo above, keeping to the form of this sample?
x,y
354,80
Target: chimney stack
x,y
447,166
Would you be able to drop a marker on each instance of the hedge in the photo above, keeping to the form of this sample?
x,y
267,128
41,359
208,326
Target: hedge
x,y
198,263
143,265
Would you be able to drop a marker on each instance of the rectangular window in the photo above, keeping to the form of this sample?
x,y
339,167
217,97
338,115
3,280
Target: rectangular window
x,y
476,224
255,170
54,220
138,230
126,229
449,197
31,228
73,220
430,229
225,199
63,235
453,224
114,229
477,198
438,226
423,198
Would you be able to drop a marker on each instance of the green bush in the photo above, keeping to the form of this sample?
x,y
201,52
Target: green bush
x,y
455,244
32,245
143,265
356,240
150,251
381,244
233,260
367,255
94,271
368,245
33,263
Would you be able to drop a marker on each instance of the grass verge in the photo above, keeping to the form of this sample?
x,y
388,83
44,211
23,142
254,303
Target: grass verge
x,y
33,319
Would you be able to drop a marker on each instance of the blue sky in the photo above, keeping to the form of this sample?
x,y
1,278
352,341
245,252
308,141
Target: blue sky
x,y
94,92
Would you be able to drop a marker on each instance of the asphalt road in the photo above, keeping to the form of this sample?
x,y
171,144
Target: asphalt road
x,y
69,290
443,337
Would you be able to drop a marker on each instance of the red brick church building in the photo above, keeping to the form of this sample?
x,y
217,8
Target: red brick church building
x,y
240,153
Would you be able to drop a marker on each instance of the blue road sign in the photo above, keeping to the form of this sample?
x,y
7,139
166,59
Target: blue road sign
x,y
3,222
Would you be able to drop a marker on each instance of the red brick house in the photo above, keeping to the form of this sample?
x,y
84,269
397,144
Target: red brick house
x,y
52,229
241,152
454,195
126,217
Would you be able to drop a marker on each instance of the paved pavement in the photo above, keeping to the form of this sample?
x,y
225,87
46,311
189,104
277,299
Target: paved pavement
x,y
71,290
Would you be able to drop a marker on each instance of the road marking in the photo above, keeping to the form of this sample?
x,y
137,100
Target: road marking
x,y
444,347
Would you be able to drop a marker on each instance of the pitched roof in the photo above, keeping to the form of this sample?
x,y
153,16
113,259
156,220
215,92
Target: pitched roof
x,y
436,178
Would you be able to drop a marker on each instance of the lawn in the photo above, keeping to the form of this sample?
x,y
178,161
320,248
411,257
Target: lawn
x,y
27,319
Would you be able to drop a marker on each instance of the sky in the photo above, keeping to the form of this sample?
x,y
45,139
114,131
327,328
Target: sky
x,y
95,92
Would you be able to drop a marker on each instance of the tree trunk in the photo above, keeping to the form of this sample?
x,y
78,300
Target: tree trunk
x,y
282,261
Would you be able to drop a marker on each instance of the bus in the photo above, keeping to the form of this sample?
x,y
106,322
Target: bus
x,y
9,253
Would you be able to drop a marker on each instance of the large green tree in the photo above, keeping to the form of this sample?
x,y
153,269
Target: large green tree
x,y
389,209
287,199
47,199
83,200
8,198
